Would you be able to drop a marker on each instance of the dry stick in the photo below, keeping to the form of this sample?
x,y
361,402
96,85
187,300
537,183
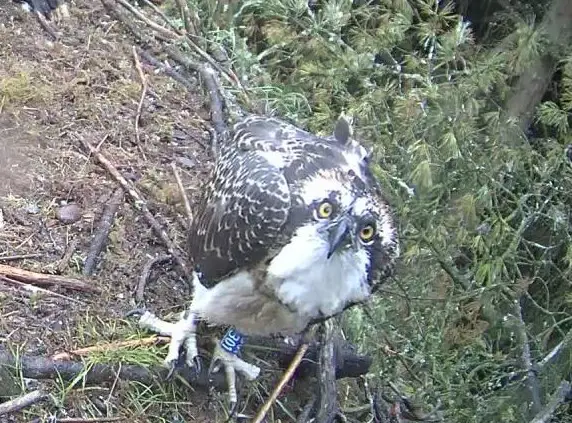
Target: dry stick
x,y
19,257
112,7
102,232
42,279
327,405
140,290
186,15
22,402
554,352
216,104
46,26
287,376
164,31
140,202
70,249
532,381
285,379
167,69
163,16
562,395
227,73
141,99
35,289
183,194
90,419
111,346
304,416
37,367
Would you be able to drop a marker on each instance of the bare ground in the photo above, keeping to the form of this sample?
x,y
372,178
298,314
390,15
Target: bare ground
x,y
52,95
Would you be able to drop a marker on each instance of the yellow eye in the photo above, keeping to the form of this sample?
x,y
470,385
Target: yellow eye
x,y
367,233
325,210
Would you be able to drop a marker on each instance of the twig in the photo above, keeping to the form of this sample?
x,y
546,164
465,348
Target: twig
x,y
140,290
186,15
142,204
562,395
184,195
166,32
556,350
532,380
102,232
90,420
19,257
65,260
216,103
284,380
37,367
45,25
35,289
112,346
163,16
22,402
167,69
327,405
42,279
141,99
304,416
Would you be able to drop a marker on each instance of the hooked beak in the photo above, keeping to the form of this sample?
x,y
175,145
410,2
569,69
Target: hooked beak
x,y
338,235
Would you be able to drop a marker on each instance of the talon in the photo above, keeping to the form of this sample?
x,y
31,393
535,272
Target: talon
x,y
197,364
171,371
214,366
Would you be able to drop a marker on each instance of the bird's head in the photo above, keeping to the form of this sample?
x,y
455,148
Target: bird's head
x,y
349,217
345,216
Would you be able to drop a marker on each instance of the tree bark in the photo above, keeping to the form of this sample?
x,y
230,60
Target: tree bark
x,y
347,363
534,81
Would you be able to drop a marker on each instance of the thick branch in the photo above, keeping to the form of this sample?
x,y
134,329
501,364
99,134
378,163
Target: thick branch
x,y
100,238
534,81
562,395
348,364
22,402
43,279
532,380
328,404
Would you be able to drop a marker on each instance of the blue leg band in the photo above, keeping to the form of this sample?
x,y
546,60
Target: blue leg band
x,y
232,341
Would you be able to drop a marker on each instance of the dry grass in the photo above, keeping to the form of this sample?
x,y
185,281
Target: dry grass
x,y
51,96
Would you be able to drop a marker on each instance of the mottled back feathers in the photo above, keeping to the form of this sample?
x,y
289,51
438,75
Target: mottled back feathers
x,y
254,202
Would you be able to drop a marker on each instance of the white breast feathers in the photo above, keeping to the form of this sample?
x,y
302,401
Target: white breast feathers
x,y
307,281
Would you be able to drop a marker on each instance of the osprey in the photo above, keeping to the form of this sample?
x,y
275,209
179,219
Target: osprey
x,y
292,229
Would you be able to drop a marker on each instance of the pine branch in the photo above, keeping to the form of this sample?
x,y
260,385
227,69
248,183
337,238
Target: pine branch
x,y
560,397
533,83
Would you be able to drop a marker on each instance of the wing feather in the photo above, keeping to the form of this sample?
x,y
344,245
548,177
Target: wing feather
x,y
245,209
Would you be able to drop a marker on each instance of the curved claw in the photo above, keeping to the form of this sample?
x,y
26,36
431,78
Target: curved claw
x,y
135,312
214,366
172,368
197,364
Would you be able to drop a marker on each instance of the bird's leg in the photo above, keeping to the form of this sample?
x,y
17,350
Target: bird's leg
x,y
182,333
226,353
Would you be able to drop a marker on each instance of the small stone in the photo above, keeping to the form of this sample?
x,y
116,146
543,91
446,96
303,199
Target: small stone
x,y
68,214
186,162
32,208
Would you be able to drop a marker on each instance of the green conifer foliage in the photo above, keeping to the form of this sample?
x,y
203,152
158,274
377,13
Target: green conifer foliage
x,y
484,208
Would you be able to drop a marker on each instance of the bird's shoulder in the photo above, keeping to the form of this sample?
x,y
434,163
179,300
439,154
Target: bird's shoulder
x,y
296,152
241,214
